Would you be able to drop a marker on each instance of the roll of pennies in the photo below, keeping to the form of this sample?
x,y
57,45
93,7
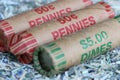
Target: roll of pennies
x,y
25,42
57,56
41,15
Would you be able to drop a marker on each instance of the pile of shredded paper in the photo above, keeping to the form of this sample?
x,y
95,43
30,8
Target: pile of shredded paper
x,y
104,67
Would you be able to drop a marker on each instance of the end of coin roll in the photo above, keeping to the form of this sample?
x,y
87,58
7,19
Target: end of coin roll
x,y
22,44
3,46
3,42
25,58
6,29
44,62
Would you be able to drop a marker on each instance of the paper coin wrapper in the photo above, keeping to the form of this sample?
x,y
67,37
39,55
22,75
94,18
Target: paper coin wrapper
x,y
3,44
42,14
3,47
57,56
27,41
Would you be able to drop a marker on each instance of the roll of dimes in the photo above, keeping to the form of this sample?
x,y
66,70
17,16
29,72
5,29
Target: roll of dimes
x,y
57,56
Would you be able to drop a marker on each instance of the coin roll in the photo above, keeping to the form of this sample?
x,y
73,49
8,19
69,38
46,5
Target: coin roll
x,y
55,57
3,44
26,42
41,15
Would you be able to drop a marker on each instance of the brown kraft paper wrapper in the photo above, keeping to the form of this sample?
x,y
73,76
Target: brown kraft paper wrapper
x,y
27,41
40,15
57,56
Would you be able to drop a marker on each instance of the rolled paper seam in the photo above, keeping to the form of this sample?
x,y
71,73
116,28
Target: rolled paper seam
x,y
40,15
60,27
77,48
115,4
38,66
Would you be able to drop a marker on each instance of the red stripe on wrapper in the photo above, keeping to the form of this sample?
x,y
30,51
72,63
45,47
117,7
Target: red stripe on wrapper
x,y
25,58
23,46
2,46
108,9
6,28
88,2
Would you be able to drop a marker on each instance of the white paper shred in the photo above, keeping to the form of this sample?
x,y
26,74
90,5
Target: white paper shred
x,y
10,8
96,1
104,67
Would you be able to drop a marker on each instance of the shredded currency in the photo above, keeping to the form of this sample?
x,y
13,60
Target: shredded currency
x,y
9,8
104,67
